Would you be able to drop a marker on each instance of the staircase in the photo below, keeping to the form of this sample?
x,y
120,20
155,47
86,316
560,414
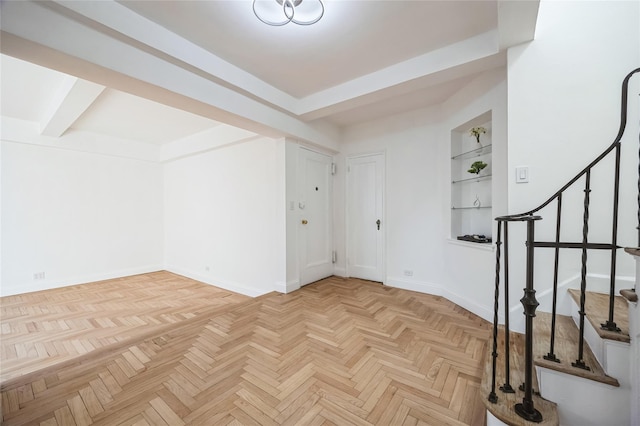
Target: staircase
x,y
572,369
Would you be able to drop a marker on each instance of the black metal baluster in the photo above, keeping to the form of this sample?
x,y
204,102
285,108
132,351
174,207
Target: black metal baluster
x,y
610,324
551,356
526,409
506,388
492,395
583,275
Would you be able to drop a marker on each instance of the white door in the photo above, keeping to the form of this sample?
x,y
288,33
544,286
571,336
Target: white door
x,y
315,229
365,222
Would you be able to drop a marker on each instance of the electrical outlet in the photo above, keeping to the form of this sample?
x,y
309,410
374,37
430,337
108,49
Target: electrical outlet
x,y
38,276
408,273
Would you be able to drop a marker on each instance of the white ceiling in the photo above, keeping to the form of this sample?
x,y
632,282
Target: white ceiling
x,y
353,38
200,63
127,116
28,90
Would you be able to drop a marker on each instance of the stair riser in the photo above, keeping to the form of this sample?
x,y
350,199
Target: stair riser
x,y
585,402
610,354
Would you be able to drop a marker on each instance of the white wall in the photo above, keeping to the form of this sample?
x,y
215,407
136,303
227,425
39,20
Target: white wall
x,y
225,216
564,108
82,216
418,191
76,217
412,214
225,209
469,269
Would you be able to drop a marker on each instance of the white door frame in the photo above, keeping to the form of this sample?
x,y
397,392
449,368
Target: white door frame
x,y
384,212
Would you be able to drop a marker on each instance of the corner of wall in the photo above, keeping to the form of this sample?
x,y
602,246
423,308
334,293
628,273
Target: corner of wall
x,y
439,290
218,282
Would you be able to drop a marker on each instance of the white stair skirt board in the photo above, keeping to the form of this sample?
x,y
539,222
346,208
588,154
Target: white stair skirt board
x,y
583,402
587,402
610,354
493,420
634,357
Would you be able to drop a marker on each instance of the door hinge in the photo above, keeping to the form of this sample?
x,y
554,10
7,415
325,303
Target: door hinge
x,y
333,168
334,256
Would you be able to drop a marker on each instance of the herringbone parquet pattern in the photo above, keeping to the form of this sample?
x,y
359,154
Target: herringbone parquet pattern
x,y
49,327
335,352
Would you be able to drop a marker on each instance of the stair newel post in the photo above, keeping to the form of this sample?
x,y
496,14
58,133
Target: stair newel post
x,y
583,274
526,410
506,388
494,353
551,356
610,323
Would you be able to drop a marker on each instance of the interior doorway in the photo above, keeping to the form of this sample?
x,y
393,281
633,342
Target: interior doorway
x,y
365,217
315,224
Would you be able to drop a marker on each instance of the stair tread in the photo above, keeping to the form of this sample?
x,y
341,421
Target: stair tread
x,y
504,408
566,349
597,310
630,295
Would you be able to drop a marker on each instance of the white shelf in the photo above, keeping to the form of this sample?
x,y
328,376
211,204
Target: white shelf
x,y
476,246
473,179
470,207
483,150
468,188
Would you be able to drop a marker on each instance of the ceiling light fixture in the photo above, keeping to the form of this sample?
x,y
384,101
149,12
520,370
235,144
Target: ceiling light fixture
x,y
281,12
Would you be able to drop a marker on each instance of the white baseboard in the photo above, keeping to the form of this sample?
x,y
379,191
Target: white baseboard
x,y
340,272
287,287
82,279
439,290
470,305
600,283
414,285
217,282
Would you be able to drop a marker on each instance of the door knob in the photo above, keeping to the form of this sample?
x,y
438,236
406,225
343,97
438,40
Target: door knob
x,y
378,223
304,221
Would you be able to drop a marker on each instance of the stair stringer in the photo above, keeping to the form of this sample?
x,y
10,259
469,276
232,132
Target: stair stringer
x,y
584,402
613,356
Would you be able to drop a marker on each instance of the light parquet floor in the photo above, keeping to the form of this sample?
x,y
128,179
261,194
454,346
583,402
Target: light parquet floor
x,y
48,327
343,352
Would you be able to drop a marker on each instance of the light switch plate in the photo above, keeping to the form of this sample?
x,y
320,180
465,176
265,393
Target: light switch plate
x,y
522,174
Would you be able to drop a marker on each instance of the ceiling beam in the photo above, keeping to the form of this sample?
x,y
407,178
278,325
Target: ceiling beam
x,y
516,21
469,57
152,36
72,99
207,140
110,44
52,36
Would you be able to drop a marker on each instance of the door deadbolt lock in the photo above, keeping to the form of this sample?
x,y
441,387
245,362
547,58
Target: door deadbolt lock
x,y
304,221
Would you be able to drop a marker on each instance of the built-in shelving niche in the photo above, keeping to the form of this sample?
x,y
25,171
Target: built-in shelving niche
x,y
471,194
